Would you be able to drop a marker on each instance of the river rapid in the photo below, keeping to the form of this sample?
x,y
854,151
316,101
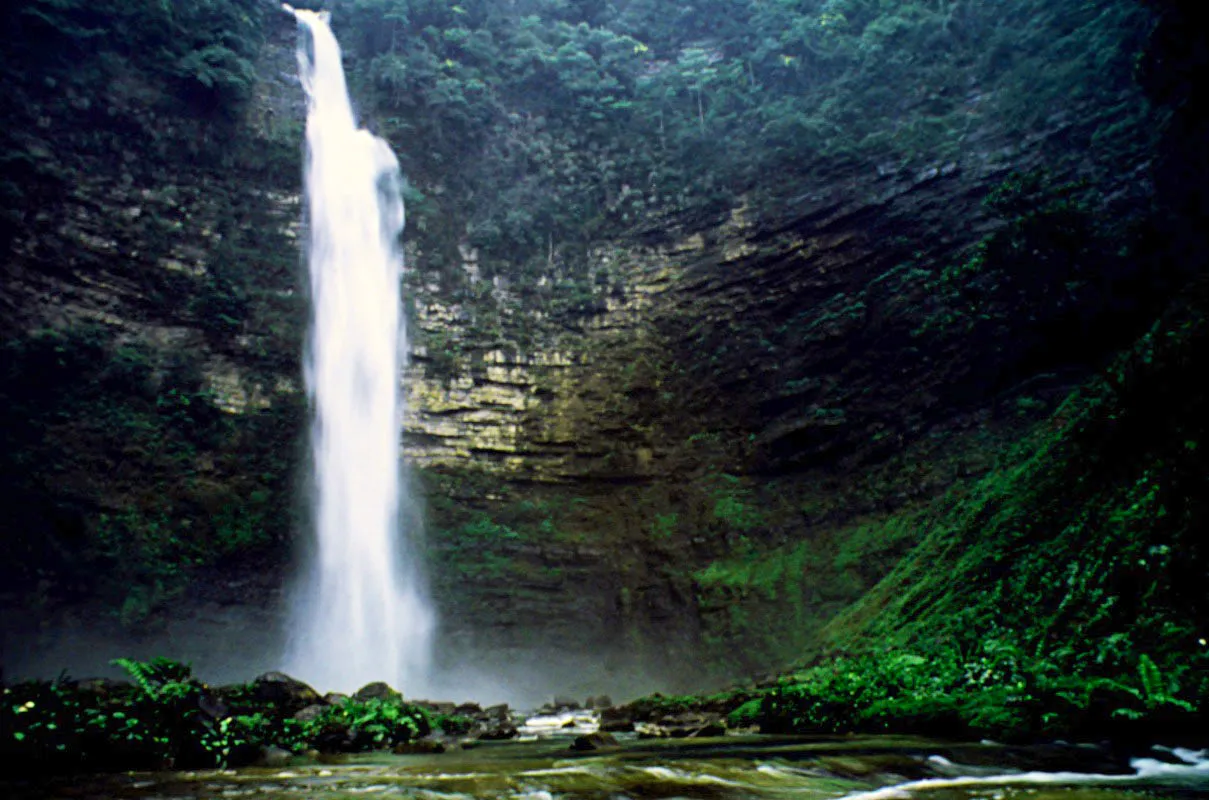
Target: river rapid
x,y
840,768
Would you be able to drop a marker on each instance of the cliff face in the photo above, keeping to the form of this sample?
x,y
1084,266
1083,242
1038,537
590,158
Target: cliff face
x,y
597,440
152,321
721,388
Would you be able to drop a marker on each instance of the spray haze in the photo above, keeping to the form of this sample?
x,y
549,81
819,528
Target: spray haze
x,y
359,613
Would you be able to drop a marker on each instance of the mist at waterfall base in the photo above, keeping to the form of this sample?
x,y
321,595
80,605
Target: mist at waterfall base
x,y
359,613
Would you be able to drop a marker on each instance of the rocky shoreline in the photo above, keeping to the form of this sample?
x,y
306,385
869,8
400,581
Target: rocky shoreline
x,y
163,718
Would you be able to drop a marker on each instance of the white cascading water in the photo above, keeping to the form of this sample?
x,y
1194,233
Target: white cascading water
x,y
360,613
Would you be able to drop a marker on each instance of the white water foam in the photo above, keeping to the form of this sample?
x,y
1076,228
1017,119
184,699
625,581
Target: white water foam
x,y
360,614
1193,766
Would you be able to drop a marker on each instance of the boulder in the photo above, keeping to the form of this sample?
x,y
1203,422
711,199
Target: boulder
x,y
271,756
469,710
503,729
290,695
498,712
212,705
616,719
377,691
427,746
594,741
682,726
335,698
619,725
311,713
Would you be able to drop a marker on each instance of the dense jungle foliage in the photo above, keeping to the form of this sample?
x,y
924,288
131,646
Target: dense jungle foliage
x,y
538,122
204,46
164,717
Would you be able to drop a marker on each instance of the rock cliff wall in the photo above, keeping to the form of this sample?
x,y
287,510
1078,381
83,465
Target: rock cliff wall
x,y
592,439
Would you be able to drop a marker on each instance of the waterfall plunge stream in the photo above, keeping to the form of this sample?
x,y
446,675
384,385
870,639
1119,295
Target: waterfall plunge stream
x,y
360,614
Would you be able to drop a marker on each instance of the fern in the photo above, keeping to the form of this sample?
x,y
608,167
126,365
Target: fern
x,y
151,677
1153,692
1151,680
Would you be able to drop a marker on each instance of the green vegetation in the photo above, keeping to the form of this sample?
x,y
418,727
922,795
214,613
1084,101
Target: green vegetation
x,y
551,122
164,485
167,718
206,46
996,690
1056,595
504,541
1050,259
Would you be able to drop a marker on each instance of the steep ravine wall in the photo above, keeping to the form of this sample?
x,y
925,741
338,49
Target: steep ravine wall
x,y
726,387
590,439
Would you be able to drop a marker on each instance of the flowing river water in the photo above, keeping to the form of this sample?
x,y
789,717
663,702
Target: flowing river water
x,y
847,768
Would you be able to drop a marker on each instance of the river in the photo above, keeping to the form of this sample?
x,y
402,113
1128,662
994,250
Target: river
x,y
853,768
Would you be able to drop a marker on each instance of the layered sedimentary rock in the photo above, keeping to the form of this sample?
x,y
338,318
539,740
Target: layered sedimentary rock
x,y
592,434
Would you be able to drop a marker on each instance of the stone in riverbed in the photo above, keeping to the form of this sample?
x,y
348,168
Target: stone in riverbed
x,y
503,729
688,725
271,756
594,741
625,725
616,719
426,746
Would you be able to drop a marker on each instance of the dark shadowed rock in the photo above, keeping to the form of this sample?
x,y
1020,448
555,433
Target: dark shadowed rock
x,y
616,719
469,710
212,705
622,725
287,694
497,712
594,741
682,726
426,746
437,706
504,729
334,698
377,691
311,713
271,756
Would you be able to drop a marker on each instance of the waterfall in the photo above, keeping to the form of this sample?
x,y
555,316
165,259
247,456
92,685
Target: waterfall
x,y
360,612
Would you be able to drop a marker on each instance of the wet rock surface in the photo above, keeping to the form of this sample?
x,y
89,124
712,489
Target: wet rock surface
x,y
280,690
